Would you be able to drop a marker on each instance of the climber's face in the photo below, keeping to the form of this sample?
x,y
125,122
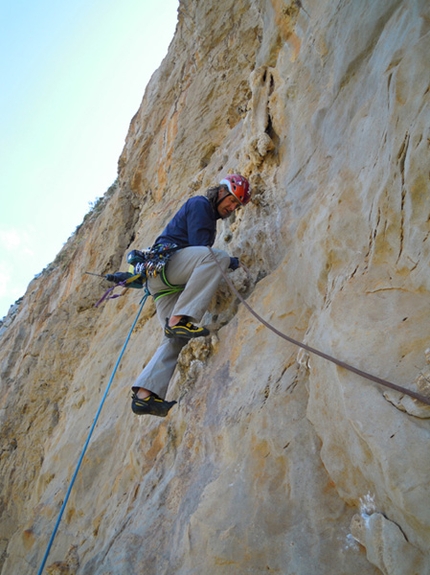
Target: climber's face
x,y
227,205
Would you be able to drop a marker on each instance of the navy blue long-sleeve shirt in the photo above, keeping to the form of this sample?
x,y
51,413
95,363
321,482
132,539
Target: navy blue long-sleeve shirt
x,y
194,224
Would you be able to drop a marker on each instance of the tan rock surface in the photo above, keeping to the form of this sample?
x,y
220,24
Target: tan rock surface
x,y
264,464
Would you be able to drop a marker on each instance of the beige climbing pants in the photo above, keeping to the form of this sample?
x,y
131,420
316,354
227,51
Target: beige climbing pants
x,y
195,268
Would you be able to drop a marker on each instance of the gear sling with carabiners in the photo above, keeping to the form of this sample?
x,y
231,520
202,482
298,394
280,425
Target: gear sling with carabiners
x,y
145,264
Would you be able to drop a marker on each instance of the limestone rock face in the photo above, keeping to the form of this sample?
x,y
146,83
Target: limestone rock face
x,y
274,460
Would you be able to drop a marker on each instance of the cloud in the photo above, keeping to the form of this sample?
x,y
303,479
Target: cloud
x,y
10,239
13,240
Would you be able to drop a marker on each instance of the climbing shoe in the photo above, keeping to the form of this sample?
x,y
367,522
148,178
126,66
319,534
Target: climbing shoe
x,y
184,329
151,405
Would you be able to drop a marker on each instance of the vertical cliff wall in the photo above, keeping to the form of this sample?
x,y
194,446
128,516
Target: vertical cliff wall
x,y
274,460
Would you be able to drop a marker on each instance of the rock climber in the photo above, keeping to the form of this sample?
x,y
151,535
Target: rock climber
x,y
192,266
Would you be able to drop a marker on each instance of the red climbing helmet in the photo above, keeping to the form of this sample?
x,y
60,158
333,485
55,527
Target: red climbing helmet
x,y
238,186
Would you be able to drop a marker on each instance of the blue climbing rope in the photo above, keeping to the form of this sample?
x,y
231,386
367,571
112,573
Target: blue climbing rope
x,y
72,481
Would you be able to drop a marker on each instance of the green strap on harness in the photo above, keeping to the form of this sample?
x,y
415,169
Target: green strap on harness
x,y
171,289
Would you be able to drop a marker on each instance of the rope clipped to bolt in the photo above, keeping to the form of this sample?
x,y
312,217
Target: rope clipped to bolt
x,y
369,376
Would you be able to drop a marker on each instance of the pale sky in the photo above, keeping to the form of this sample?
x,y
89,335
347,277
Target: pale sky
x,y
72,76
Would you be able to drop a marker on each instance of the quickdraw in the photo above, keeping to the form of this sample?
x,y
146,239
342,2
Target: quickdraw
x,y
126,283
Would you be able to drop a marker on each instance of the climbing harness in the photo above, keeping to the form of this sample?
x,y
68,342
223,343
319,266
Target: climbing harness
x,y
171,288
145,264
310,349
152,263
72,481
